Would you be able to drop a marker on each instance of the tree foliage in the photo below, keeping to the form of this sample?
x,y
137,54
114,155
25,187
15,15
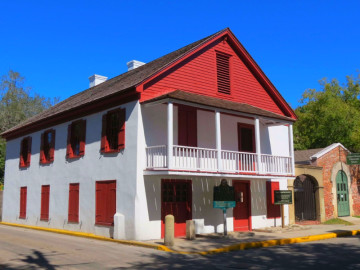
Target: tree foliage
x,y
17,103
329,115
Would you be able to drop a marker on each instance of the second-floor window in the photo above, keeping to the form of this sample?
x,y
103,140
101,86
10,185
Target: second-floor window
x,y
113,131
47,147
246,138
76,139
25,152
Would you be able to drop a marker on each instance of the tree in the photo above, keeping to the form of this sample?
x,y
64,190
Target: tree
x,y
17,103
329,115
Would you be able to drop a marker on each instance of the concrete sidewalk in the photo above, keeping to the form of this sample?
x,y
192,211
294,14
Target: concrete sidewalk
x,y
214,243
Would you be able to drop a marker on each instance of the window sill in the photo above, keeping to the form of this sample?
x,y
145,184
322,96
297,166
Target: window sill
x,y
73,222
22,217
24,166
75,157
105,224
46,162
42,219
111,151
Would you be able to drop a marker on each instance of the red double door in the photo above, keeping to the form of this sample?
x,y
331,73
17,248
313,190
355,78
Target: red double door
x,y
242,210
176,198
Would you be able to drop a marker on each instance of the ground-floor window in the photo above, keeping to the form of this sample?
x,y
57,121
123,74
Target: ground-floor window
x,y
45,202
23,195
73,215
105,202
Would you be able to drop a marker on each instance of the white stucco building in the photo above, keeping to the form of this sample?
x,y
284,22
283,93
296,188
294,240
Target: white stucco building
x,y
153,141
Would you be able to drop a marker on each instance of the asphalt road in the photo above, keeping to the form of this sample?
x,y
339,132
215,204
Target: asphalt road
x,y
29,249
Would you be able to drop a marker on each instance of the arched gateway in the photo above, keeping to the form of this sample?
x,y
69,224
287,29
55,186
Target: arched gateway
x,y
305,187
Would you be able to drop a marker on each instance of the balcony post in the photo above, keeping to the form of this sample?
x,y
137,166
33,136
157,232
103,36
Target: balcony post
x,y
170,137
291,148
218,139
257,144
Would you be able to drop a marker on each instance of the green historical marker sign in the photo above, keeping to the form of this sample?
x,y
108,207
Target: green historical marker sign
x,y
224,198
353,159
282,197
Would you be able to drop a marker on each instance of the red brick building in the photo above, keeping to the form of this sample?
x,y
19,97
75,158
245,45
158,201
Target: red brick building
x,y
340,183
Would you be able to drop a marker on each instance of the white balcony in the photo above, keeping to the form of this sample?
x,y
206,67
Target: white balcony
x,y
197,159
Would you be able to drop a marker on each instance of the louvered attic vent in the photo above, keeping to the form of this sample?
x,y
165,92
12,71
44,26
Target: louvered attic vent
x,y
223,73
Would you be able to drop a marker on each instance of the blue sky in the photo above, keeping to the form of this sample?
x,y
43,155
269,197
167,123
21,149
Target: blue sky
x,y
56,46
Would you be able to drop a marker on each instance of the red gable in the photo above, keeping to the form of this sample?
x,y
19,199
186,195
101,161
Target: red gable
x,y
196,72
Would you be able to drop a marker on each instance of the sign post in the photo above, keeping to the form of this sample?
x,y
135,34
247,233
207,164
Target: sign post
x,y
282,197
224,198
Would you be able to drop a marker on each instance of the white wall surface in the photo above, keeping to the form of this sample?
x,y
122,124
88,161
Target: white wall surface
x,y
274,139
207,219
138,197
93,167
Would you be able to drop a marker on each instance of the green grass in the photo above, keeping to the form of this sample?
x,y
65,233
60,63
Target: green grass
x,y
357,216
335,221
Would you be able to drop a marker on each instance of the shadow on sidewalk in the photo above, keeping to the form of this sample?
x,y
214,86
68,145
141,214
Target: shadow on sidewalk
x,y
298,256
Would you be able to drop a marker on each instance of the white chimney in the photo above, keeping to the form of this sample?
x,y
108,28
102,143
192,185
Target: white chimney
x,y
134,64
96,79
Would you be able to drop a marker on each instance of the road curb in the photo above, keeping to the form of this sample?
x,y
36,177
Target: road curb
x,y
240,246
279,242
90,235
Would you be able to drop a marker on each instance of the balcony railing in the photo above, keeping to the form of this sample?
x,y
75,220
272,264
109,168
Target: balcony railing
x,y
206,160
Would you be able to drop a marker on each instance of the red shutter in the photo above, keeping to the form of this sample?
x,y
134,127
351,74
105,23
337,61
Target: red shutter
x,y
21,160
104,143
69,152
111,202
187,126
73,215
182,127
45,200
23,197
52,146
121,134
105,202
273,211
42,155
82,137
192,127
99,203
29,151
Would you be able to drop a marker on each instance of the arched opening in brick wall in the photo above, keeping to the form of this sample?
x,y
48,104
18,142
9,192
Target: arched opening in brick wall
x,y
306,198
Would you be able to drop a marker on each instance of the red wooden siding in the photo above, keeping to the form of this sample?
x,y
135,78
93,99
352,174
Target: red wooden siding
x,y
73,214
105,202
45,201
198,74
273,211
23,197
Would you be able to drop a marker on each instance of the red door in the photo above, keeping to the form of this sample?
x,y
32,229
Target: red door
x,y
187,126
176,197
242,210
